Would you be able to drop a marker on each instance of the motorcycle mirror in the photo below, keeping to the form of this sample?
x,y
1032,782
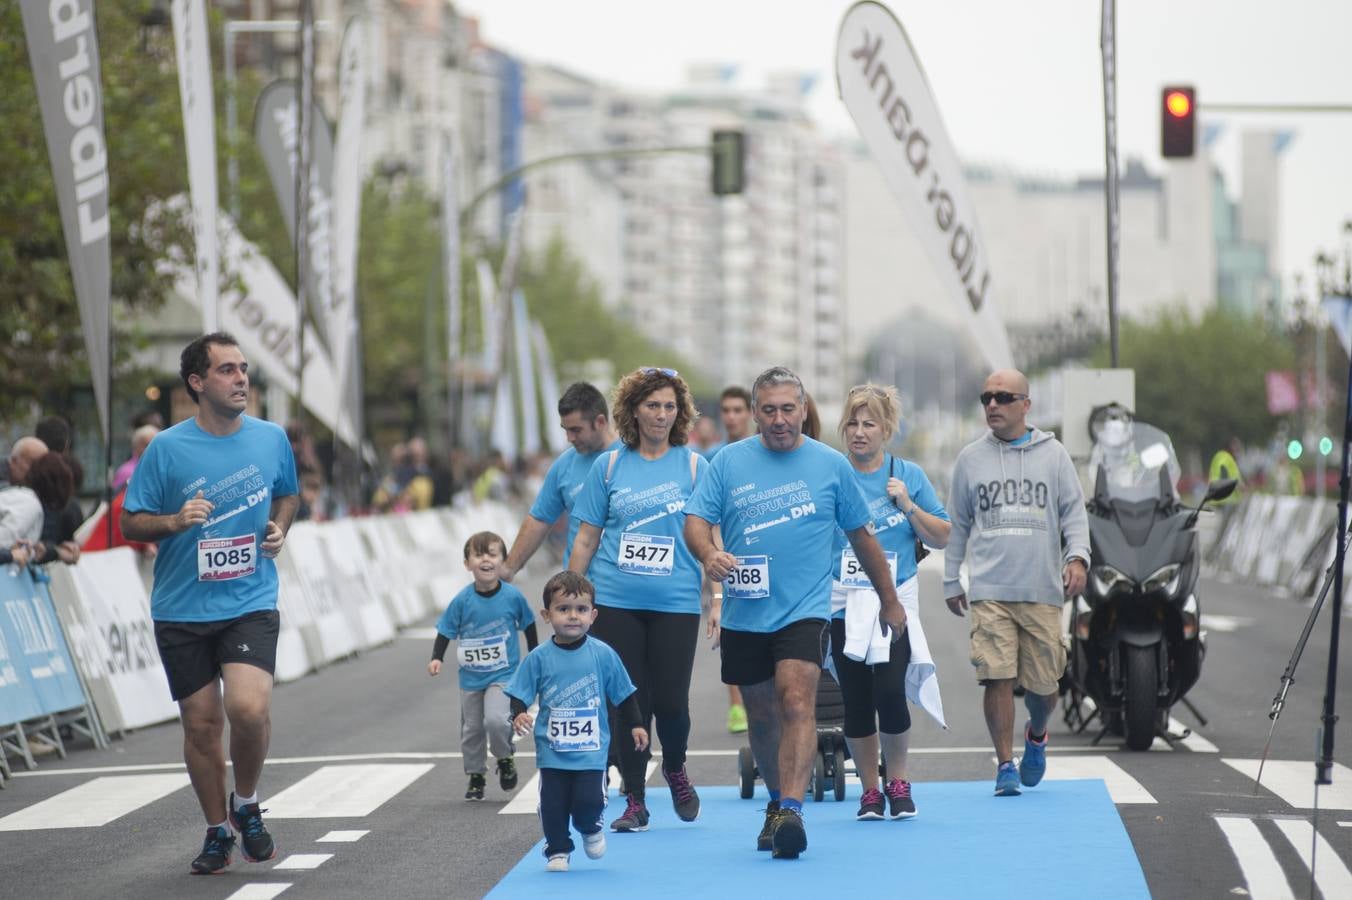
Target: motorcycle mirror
x,y
1219,490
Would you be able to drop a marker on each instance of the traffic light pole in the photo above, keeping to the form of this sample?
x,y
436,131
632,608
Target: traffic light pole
x,y
1108,45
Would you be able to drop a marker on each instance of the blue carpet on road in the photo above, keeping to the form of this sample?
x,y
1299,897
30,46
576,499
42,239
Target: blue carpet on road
x,y
964,843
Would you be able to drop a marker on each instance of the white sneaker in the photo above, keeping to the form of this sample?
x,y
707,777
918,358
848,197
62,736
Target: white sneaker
x,y
594,844
557,863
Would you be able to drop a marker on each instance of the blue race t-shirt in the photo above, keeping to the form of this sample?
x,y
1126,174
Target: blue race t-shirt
x,y
563,482
778,512
485,626
711,451
214,571
893,529
572,728
642,561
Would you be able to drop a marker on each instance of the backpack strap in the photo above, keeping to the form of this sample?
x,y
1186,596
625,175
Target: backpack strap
x,y
694,467
610,467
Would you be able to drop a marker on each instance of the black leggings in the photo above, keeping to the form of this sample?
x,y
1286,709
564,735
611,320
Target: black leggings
x,y
658,652
868,690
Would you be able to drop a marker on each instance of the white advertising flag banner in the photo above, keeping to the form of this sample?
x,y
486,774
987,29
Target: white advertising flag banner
x,y
199,133
347,183
525,376
883,86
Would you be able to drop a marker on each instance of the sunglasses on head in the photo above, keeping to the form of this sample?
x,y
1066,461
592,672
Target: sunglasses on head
x,y
649,370
1002,398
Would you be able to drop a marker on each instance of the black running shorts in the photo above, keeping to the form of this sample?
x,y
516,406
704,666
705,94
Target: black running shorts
x,y
749,657
193,652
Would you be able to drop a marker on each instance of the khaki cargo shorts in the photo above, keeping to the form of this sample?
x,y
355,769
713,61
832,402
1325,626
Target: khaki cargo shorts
x,y
1018,640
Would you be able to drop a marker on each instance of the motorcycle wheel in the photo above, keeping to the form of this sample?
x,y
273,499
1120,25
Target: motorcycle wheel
x,y
1142,690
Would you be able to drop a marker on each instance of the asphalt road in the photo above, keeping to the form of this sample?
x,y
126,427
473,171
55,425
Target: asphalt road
x,y
1195,821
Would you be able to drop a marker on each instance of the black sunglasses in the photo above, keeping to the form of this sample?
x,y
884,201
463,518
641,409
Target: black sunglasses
x,y
649,370
1002,398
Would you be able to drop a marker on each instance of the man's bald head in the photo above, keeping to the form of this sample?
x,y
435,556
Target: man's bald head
x,y
25,452
1008,420
1011,380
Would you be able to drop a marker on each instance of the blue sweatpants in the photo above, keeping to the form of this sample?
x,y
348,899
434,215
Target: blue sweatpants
x,y
570,794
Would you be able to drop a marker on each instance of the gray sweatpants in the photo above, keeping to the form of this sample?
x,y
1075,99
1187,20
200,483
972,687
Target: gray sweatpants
x,y
484,724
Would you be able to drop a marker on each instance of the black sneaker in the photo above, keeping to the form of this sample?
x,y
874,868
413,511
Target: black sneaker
x,y
683,796
899,802
634,817
789,837
475,791
507,773
871,805
216,852
255,844
763,839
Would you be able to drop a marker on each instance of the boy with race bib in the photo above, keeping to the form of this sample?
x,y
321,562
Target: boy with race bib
x,y
573,676
483,619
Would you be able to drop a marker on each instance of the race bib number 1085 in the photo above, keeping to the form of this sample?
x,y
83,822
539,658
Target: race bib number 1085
x,y
224,559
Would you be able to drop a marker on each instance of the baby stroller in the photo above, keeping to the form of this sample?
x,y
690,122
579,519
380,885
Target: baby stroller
x,y
828,772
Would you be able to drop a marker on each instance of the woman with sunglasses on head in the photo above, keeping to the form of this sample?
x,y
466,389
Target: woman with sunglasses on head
x,y
872,674
630,543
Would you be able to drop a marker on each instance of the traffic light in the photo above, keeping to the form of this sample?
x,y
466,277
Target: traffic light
x,y
728,155
1325,445
1294,449
1178,122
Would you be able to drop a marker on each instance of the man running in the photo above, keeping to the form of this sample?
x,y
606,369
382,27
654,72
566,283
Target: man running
x,y
217,492
586,421
778,501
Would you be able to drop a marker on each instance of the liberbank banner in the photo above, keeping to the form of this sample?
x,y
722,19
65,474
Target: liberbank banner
x,y
882,85
63,49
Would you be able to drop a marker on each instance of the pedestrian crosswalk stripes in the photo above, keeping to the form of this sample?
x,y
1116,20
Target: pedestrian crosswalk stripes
x,y
303,861
1263,874
95,802
1121,786
1330,875
1293,781
337,791
261,890
1256,851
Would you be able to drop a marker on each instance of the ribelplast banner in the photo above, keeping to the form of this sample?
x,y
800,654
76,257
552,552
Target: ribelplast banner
x,y
63,49
199,136
883,86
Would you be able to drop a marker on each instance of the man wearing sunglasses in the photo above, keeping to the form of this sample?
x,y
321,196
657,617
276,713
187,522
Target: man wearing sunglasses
x,y
1019,521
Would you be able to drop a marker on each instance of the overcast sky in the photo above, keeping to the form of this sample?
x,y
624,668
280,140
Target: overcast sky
x,y
1019,83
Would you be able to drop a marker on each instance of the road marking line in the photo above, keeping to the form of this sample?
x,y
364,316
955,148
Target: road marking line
x,y
421,634
1194,741
334,791
1293,781
342,837
1331,874
260,890
1262,873
526,800
94,803
1122,788
303,861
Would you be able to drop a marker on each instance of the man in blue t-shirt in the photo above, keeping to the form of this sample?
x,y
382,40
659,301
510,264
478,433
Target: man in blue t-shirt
x,y
777,502
584,418
217,492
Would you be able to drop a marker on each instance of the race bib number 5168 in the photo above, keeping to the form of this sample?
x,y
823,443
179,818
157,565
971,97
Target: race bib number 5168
x,y
749,579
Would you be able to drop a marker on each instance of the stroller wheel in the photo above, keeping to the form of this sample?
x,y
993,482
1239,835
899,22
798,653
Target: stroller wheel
x,y
819,777
746,767
840,772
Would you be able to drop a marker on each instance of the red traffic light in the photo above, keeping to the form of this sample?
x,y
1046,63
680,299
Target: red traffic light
x,y
1178,122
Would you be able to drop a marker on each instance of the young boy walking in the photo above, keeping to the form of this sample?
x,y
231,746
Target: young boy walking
x,y
483,619
573,676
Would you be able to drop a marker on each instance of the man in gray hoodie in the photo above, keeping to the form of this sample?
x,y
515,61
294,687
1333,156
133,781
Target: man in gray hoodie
x,y
1019,520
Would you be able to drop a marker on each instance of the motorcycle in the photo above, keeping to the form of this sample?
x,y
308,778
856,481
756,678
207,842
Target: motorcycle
x,y
1136,642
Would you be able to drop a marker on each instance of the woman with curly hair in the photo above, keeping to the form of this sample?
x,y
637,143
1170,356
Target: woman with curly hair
x,y
630,543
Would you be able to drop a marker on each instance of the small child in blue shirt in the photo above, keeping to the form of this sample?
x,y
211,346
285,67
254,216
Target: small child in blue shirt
x,y
483,619
574,676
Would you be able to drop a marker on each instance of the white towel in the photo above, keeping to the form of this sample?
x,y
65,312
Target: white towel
x,y
866,643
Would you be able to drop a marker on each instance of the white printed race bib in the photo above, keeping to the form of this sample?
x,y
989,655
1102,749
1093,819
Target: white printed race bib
x,y
224,559
749,579
486,654
852,573
646,554
574,730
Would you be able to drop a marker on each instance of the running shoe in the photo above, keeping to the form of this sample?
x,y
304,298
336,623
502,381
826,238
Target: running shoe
x,y
870,805
634,817
1007,780
763,839
1034,763
594,844
507,773
683,796
899,802
475,791
557,863
255,843
789,837
736,719
216,852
